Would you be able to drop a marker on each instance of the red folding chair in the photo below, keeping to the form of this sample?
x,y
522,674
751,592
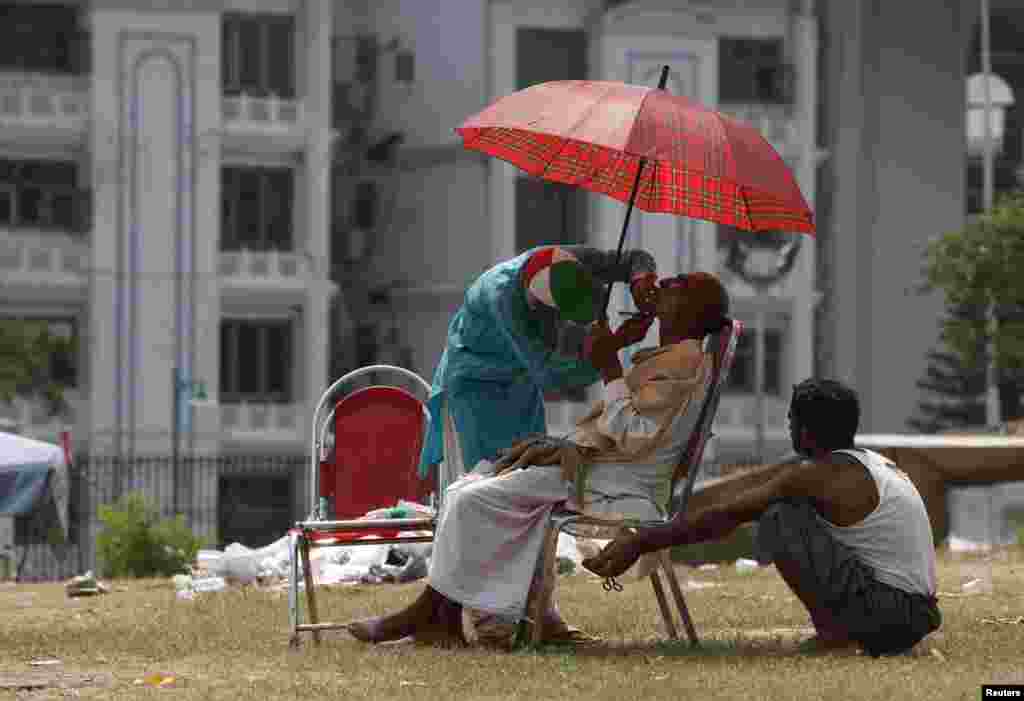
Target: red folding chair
x,y
378,433
722,346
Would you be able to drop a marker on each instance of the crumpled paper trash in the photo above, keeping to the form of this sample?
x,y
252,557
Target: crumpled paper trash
x,y
364,564
85,585
188,586
245,565
158,680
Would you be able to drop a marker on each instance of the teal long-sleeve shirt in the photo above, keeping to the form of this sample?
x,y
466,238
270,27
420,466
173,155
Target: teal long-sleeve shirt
x,y
501,356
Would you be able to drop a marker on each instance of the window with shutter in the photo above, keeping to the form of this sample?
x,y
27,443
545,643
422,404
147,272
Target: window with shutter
x,y
257,208
258,55
255,360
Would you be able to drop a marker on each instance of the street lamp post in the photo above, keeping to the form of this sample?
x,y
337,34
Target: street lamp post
x,y
992,408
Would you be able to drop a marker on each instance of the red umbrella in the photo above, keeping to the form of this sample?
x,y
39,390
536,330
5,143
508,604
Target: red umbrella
x,y
643,146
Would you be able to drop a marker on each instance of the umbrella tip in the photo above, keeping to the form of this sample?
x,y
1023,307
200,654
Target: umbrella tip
x,y
664,78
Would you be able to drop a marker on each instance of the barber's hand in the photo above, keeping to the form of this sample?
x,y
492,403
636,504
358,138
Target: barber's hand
x,y
601,347
633,330
644,290
616,557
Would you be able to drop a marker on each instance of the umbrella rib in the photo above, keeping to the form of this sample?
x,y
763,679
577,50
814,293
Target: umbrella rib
x,y
566,139
633,126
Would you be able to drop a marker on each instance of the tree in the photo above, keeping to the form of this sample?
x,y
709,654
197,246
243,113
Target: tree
x,y
27,353
978,269
954,389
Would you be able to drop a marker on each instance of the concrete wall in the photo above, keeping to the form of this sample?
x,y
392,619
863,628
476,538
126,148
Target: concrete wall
x,y
895,98
895,177
155,91
157,146
437,238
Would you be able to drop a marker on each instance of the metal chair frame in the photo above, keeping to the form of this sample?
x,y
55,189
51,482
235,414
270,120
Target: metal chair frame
x,y
316,530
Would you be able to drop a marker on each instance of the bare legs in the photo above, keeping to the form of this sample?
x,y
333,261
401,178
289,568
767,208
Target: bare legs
x,y
790,533
432,617
829,632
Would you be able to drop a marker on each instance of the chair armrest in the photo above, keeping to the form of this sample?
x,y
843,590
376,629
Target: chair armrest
x,y
366,524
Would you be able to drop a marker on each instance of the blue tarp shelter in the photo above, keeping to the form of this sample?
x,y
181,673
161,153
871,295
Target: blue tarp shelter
x,y
33,484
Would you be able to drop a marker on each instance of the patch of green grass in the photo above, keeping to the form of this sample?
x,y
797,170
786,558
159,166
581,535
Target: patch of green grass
x,y
1016,519
234,645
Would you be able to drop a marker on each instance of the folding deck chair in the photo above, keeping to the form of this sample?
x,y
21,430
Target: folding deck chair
x,y
723,348
378,433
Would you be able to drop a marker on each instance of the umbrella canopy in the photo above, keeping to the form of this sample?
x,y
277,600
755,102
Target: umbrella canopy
x,y
597,135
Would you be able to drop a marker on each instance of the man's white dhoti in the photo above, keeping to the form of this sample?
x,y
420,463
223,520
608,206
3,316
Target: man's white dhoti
x,y
491,529
489,537
451,466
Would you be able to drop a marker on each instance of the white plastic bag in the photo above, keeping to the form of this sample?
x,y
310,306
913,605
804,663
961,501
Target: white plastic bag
x,y
743,565
367,555
567,554
247,564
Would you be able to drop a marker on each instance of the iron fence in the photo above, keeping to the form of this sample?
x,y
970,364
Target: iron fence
x,y
221,498
250,499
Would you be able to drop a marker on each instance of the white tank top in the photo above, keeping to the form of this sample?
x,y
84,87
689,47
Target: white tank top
x,y
896,538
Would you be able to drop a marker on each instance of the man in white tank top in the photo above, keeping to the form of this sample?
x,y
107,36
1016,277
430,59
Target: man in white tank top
x,y
848,531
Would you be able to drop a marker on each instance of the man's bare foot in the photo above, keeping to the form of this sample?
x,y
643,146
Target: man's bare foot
x,y
568,636
827,642
555,629
377,630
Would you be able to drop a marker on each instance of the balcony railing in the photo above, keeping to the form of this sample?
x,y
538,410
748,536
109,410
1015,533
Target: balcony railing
x,y
43,256
45,102
251,112
263,265
266,419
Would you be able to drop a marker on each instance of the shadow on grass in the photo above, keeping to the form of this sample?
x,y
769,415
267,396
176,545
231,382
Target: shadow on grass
x,y
708,649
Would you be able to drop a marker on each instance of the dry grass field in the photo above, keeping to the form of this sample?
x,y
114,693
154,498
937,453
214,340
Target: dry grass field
x,y
234,645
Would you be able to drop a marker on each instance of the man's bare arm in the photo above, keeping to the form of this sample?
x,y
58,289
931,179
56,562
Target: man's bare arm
x,y
725,489
718,520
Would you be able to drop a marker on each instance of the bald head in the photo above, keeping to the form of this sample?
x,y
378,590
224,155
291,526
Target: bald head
x,y
692,305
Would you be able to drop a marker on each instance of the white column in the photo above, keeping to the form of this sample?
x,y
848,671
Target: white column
x,y
805,52
103,341
316,197
206,434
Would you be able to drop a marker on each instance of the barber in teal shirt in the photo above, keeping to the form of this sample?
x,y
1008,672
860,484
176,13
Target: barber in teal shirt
x,y
518,334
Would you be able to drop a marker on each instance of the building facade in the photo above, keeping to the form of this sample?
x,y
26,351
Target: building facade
x,y
166,200
871,120
263,194
458,212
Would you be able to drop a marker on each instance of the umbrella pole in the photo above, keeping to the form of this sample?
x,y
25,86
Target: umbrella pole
x,y
629,209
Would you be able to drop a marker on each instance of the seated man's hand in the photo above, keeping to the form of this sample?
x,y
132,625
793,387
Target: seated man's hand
x,y
616,557
633,330
601,346
525,453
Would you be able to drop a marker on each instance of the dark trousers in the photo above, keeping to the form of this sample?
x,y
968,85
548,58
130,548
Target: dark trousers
x,y
883,619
